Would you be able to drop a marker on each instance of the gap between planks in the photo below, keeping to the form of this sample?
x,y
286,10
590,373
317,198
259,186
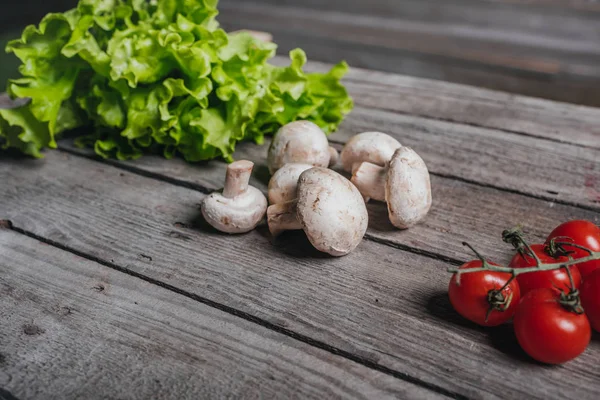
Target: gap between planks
x,y
207,190
183,175
478,107
60,313
346,286
241,314
479,125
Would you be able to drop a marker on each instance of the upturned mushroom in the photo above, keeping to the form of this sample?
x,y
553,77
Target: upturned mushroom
x,y
300,142
239,207
284,182
328,207
374,147
404,185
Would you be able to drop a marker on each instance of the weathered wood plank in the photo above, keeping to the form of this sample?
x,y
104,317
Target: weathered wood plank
x,y
461,211
560,38
529,52
549,170
530,116
561,122
563,21
368,308
559,172
73,328
586,5
552,171
524,52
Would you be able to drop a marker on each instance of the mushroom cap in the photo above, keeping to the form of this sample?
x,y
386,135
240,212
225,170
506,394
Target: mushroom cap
x,y
374,147
284,182
331,210
407,189
298,142
239,214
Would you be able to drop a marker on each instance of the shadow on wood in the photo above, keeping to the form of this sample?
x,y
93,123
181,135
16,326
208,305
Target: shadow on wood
x,y
5,394
297,245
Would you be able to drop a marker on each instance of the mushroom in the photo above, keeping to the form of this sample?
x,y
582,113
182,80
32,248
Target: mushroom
x,y
374,147
404,185
300,142
240,207
329,209
284,182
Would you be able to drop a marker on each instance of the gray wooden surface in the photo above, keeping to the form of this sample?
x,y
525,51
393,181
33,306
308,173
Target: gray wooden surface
x,y
542,48
81,327
379,317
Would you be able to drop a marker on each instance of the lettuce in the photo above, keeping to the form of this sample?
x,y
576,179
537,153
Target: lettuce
x,y
158,76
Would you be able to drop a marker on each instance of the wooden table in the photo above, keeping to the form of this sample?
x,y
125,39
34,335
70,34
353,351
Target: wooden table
x,y
111,286
541,48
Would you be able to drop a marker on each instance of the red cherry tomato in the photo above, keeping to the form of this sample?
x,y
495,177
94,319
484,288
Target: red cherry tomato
x,y
543,279
548,331
478,293
590,299
583,233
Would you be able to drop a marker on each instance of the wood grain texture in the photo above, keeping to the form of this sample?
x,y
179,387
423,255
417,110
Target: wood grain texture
x,y
83,330
423,66
461,211
372,309
535,117
460,32
584,5
542,48
561,122
541,52
553,171
558,172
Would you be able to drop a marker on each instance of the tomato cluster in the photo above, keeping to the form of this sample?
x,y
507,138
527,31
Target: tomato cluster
x,y
553,310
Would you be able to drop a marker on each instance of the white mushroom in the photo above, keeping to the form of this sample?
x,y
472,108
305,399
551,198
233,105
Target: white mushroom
x,y
374,147
284,182
329,209
404,185
239,208
300,142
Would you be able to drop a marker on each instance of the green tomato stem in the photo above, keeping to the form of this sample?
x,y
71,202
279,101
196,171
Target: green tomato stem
x,y
516,239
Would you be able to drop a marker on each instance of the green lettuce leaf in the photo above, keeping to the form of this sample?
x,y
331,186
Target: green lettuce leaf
x,y
158,76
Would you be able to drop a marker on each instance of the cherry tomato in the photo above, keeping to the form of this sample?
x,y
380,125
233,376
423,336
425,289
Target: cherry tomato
x,y
543,279
548,331
478,293
590,298
583,233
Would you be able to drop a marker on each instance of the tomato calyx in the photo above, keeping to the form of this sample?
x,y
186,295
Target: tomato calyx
x,y
556,249
514,237
571,301
497,300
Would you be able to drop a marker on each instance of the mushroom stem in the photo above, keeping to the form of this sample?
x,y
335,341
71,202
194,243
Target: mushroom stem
x,y
370,180
334,156
237,178
282,217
